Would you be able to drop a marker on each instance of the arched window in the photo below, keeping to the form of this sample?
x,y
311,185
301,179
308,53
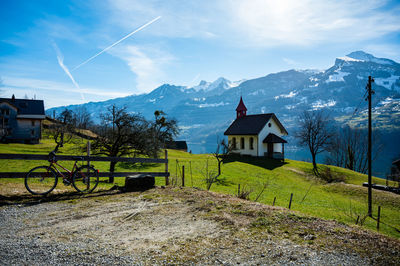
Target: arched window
x,y
242,143
251,144
234,143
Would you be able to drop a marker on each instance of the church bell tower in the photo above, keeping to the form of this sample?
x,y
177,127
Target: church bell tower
x,y
241,109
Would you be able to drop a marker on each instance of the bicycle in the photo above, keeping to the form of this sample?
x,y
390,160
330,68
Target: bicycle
x,y
41,180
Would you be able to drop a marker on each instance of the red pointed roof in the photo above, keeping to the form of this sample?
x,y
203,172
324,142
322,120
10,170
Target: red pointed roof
x,y
241,106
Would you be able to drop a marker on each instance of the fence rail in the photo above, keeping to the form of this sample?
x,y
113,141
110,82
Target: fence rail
x,y
10,156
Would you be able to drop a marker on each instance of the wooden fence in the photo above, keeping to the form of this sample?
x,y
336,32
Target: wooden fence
x,y
9,156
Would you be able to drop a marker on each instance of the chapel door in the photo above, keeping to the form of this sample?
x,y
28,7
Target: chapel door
x,y
270,150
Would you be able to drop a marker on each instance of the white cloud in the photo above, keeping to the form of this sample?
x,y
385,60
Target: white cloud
x,y
384,50
264,23
54,93
184,19
60,59
147,63
270,23
289,61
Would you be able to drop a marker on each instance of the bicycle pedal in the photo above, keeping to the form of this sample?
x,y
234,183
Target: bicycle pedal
x,y
66,182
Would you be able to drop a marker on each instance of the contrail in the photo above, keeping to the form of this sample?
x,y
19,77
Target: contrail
x,y
60,59
112,45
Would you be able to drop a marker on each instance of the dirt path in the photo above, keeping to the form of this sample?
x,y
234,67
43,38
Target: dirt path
x,y
181,226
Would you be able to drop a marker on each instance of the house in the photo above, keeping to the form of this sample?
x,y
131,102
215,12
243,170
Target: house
x,y
177,145
256,135
20,120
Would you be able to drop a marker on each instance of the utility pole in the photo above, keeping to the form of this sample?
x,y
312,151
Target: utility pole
x,y
369,98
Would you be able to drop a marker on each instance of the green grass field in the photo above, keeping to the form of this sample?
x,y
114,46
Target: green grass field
x,y
342,202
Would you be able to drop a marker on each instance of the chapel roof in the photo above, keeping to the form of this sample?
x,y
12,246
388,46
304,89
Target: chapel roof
x,y
272,138
252,124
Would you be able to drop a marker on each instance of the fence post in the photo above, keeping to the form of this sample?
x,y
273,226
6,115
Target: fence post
x,y
88,163
191,177
183,175
88,151
166,168
379,217
290,202
273,203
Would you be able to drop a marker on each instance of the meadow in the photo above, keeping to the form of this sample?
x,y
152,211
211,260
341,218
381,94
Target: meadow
x,y
264,180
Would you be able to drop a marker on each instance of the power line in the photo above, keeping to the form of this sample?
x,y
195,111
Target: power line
x,y
358,106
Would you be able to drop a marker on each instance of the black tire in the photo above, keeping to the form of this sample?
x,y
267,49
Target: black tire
x,y
85,179
41,180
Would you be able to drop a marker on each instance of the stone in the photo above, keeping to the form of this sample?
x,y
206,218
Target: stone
x,y
139,182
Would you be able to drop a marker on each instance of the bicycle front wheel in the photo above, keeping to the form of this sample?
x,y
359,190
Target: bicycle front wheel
x,y
41,180
85,179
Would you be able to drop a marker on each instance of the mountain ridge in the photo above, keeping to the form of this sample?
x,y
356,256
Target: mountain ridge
x,y
204,111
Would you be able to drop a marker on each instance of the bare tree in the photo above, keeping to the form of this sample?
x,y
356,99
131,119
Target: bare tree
x,y
221,153
66,117
124,134
162,130
116,134
349,149
82,118
209,176
314,134
62,129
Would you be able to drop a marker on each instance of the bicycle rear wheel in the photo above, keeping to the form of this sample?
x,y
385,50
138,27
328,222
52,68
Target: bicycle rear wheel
x,y
41,180
85,179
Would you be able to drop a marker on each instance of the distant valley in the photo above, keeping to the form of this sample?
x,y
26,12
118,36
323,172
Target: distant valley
x,y
206,110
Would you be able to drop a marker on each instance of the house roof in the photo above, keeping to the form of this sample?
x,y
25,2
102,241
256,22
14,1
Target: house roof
x,y
252,124
272,138
241,106
25,106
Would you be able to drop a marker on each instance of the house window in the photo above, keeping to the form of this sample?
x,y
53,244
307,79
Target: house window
x,y
269,124
251,144
242,143
6,121
234,143
33,123
5,111
32,132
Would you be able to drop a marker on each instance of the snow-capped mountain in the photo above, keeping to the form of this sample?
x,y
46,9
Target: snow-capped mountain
x,y
206,110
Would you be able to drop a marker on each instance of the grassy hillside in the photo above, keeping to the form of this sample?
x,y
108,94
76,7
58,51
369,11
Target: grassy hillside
x,y
342,201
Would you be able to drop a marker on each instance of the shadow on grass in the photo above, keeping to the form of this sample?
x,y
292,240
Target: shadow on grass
x,y
136,166
29,200
263,162
223,181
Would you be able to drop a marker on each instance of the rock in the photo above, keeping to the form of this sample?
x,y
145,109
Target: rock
x,y
139,182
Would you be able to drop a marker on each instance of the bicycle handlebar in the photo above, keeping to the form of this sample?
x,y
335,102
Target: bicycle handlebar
x,y
52,157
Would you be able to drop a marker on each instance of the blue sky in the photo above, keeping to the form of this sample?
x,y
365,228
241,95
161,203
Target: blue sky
x,y
40,41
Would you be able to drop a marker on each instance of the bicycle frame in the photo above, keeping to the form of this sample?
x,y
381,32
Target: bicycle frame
x,y
70,172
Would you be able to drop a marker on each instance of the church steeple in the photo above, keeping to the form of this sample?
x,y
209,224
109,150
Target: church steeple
x,y
241,109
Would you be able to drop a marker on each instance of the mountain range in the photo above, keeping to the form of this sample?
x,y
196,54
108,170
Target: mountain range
x,y
206,110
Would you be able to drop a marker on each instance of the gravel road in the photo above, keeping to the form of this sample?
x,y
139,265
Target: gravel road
x,y
161,226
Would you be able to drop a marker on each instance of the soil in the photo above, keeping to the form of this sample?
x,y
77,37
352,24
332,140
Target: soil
x,y
177,226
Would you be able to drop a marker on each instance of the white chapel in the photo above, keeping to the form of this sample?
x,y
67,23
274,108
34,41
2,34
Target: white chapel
x,y
256,135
